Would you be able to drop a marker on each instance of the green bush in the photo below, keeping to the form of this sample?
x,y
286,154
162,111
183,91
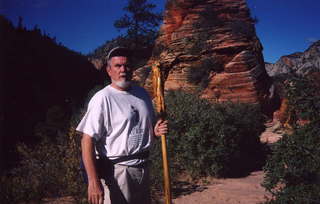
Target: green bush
x,y
200,75
292,171
210,139
49,169
304,98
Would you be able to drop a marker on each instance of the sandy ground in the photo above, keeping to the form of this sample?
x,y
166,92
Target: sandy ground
x,y
245,190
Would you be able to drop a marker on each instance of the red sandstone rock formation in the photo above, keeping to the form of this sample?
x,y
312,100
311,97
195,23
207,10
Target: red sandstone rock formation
x,y
212,44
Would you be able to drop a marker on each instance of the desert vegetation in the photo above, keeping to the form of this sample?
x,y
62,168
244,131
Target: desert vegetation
x,y
220,140
292,170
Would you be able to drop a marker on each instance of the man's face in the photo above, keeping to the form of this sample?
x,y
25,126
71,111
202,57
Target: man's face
x,y
119,70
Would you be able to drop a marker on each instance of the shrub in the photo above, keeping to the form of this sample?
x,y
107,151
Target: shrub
x,y
304,98
49,169
200,75
292,171
210,139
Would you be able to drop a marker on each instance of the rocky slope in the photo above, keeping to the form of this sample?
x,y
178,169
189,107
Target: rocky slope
x,y
212,44
300,63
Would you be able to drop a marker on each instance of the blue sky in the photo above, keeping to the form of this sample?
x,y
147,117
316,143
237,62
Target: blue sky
x,y
284,27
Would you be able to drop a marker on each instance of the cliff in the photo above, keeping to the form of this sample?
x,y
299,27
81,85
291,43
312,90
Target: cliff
x,y
305,64
300,63
211,45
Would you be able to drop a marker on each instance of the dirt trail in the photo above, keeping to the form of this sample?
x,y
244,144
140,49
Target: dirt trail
x,y
245,190
229,191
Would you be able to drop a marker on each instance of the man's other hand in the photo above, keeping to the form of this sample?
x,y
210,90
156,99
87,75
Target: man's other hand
x,y
95,194
161,128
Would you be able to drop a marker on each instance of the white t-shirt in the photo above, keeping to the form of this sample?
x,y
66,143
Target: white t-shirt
x,y
120,121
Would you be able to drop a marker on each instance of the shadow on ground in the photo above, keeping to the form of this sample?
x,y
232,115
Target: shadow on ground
x,y
185,188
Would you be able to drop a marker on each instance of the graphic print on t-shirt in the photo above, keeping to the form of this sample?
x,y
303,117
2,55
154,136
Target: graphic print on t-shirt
x,y
136,134
135,114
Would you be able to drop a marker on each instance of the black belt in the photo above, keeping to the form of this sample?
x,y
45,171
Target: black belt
x,y
141,155
105,165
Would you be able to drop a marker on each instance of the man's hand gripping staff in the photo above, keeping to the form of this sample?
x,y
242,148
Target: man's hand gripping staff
x,y
160,106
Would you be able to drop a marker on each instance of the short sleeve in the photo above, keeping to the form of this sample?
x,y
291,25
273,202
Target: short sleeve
x,y
92,122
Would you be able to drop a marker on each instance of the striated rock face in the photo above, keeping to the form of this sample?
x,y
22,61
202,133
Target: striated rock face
x,y
212,44
300,63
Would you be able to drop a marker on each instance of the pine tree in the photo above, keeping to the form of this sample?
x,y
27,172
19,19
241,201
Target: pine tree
x,y
140,23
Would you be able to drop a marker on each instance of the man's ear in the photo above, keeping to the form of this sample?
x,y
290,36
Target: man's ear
x,y
107,69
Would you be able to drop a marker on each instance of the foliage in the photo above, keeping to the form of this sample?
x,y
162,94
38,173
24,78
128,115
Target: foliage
x,y
36,74
304,98
292,171
278,82
200,75
48,170
140,22
210,139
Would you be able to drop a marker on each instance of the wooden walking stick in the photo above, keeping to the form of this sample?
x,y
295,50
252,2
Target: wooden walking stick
x,y
158,92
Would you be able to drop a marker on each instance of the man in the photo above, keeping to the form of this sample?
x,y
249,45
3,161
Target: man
x,y
119,124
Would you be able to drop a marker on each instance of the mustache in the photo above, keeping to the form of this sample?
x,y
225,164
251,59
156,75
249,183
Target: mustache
x,y
125,74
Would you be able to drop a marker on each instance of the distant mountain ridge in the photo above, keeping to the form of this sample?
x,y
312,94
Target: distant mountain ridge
x,y
300,63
